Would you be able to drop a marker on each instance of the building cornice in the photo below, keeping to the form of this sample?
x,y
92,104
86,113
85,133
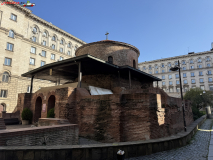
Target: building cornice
x,y
176,57
29,14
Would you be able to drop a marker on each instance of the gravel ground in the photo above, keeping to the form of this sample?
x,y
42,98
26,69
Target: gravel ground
x,y
197,149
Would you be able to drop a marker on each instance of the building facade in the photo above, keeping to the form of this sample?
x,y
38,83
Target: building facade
x,y
196,71
28,42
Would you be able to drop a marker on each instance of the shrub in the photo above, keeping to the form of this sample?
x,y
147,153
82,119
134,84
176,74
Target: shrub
x,y
196,113
26,114
50,113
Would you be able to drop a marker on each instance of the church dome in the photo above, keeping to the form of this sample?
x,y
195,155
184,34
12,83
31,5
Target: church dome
x,y
114,52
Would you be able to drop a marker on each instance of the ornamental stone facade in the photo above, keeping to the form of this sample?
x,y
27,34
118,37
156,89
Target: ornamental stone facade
x,y
196,72
27,42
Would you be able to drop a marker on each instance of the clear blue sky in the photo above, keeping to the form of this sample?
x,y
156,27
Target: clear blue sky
x,y
158,28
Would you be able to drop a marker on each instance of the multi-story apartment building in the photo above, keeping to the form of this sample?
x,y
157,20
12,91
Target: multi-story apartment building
x,y
196,71
28,42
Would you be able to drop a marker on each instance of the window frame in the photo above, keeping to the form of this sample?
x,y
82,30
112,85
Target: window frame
x,y
3,92
52,56
8,48
13,15
32,59
43,52
13,34
34,49
43,64
8,59
5,77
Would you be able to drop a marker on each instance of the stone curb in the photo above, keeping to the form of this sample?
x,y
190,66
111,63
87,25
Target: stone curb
x,y
106,151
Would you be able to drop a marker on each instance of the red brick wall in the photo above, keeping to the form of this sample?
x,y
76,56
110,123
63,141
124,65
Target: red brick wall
x,y
132,116
123,54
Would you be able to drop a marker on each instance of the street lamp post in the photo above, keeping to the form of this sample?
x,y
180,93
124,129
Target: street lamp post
x,y
175,68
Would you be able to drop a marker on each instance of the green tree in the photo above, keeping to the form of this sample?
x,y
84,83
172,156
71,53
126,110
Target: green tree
x,y
198,100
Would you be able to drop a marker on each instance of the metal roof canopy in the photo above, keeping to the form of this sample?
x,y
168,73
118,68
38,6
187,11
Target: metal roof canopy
x,y
68,69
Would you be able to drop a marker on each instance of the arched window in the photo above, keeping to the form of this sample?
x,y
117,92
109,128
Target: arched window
x,y
199,60
69,45
45,34
62,42
110,59
134,65
76,48
53,38
11,34
5,77
34,30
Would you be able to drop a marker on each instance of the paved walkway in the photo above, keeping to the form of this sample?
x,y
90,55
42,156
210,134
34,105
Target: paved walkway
x,y
197,149
210,156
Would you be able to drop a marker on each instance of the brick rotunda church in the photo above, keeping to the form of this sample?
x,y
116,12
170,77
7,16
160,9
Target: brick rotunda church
x,y
103,92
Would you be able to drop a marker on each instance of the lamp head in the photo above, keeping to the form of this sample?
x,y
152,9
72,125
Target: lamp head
x,y
175,68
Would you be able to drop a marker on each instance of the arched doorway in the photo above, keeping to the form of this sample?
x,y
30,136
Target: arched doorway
x,y
2,107
51,103
38,106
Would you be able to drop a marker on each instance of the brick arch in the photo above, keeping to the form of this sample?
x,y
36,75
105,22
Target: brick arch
x,y
50,95
35,116
38,108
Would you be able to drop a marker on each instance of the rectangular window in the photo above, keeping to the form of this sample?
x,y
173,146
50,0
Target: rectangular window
x,y
200,73
178,89
34,39
184,68
156,71
193,80
61,50
170,76
170,82
3,94
202,87
42,63
61,58
210,79
9,46
177,75
177,82
185,89
192,74
32,61
163,71
208,65
211,87
33,50
209,72
28,89
163,83
170,89
43,53
68,53
192,67
201,80
53,46
185,81
44,43
150,72
163,77
7,61
13,17
53,56
200,66
184,75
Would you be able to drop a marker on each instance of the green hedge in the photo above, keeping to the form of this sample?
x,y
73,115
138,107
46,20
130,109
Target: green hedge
x,y
27,114
51,113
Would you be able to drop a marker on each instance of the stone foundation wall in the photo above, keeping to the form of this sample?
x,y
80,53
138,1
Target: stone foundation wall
x,y
39,136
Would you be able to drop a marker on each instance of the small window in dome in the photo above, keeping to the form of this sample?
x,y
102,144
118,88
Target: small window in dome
x,y
110,59
134,66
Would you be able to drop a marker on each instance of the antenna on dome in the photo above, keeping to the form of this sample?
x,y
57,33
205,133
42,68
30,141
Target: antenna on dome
x,y
106,35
